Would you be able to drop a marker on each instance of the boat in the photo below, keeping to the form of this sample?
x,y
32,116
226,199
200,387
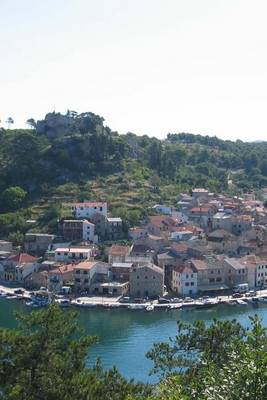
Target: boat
x,y
174,306
206,303
262,299
136,306
241,302
63,302
150,307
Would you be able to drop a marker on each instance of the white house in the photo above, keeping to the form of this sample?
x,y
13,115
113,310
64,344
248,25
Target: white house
x,y
72,254
87,209
184,280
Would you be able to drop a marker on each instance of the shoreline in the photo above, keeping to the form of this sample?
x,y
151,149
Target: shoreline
x,y
113,303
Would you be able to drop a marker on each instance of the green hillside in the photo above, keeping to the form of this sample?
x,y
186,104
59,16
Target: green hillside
x,y
76,157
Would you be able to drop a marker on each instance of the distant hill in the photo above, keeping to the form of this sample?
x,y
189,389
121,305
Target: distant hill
x,y
80,151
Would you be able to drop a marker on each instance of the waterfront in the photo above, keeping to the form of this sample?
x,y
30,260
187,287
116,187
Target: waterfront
x,y
125,336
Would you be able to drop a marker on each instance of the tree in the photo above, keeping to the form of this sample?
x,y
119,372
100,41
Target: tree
x,y
45,358
31,122
220,362
9,121
12,198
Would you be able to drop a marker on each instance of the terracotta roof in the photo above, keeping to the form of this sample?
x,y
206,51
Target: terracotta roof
x,y
63,269
199,264
180,247
200,209
86,265
158,220
185,269
22,258
119,250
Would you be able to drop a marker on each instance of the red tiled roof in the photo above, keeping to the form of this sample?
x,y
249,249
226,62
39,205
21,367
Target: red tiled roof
x,y
200,209
180,247
22,258
62,269
85,265
117,249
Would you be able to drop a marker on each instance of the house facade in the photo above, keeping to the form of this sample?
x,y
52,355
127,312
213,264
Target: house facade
x,y
87,209
146,281
184,280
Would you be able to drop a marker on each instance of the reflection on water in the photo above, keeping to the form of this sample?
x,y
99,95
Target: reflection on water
x,y
125,336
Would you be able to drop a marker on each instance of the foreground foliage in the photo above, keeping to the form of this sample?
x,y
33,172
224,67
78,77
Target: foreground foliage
x,y
45,359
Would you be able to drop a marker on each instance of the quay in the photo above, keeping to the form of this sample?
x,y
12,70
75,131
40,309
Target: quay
x,y
114,302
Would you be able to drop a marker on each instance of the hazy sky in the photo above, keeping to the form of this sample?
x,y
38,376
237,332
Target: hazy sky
x,y
147,66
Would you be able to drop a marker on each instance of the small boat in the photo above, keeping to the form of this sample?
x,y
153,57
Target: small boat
x,y
262,299
63,302
150,307
241,302
174,306
3,294
136,306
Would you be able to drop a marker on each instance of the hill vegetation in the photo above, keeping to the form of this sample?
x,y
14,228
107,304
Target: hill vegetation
x,y
76,157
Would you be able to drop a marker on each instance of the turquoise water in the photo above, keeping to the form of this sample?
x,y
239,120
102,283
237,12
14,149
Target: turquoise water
x,y
125,336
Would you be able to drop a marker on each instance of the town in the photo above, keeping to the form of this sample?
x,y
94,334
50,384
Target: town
x,y
207,246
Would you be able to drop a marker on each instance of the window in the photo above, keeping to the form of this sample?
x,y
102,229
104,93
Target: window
x,y
145,277
192,283
218,279
186,283
187,276
101,208
137,277
155,277
86,280
77,280
211,271
78,271
211,280
85,272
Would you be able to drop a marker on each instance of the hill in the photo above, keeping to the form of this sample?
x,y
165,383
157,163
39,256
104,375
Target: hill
x,y
76,157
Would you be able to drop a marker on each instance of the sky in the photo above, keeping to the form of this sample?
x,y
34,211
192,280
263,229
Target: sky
x,y
147,66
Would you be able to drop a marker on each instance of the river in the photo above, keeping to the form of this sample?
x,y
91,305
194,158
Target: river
x,y
125,336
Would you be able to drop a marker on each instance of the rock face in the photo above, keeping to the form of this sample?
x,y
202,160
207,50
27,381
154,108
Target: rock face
x,y
56,125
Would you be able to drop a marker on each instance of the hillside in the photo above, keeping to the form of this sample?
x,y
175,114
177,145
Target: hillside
x,y
76,157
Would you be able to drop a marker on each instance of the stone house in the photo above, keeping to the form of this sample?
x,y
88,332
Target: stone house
x,y
146,281
38,243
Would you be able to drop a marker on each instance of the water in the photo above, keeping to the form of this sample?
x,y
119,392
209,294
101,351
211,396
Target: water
x,y
125,336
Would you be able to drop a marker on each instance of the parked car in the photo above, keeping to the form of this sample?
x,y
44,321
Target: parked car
x,y
19,291
124,300
237,295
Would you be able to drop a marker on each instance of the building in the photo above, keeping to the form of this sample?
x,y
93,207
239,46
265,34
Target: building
x,y
36,280
121,271
137,233
118,253
87,209
162,225
72,254
222,220
17,267
38,243
146,281
79,230
5,246
237,273
114,229
210,274
200,193
59,277
184,280
87,273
